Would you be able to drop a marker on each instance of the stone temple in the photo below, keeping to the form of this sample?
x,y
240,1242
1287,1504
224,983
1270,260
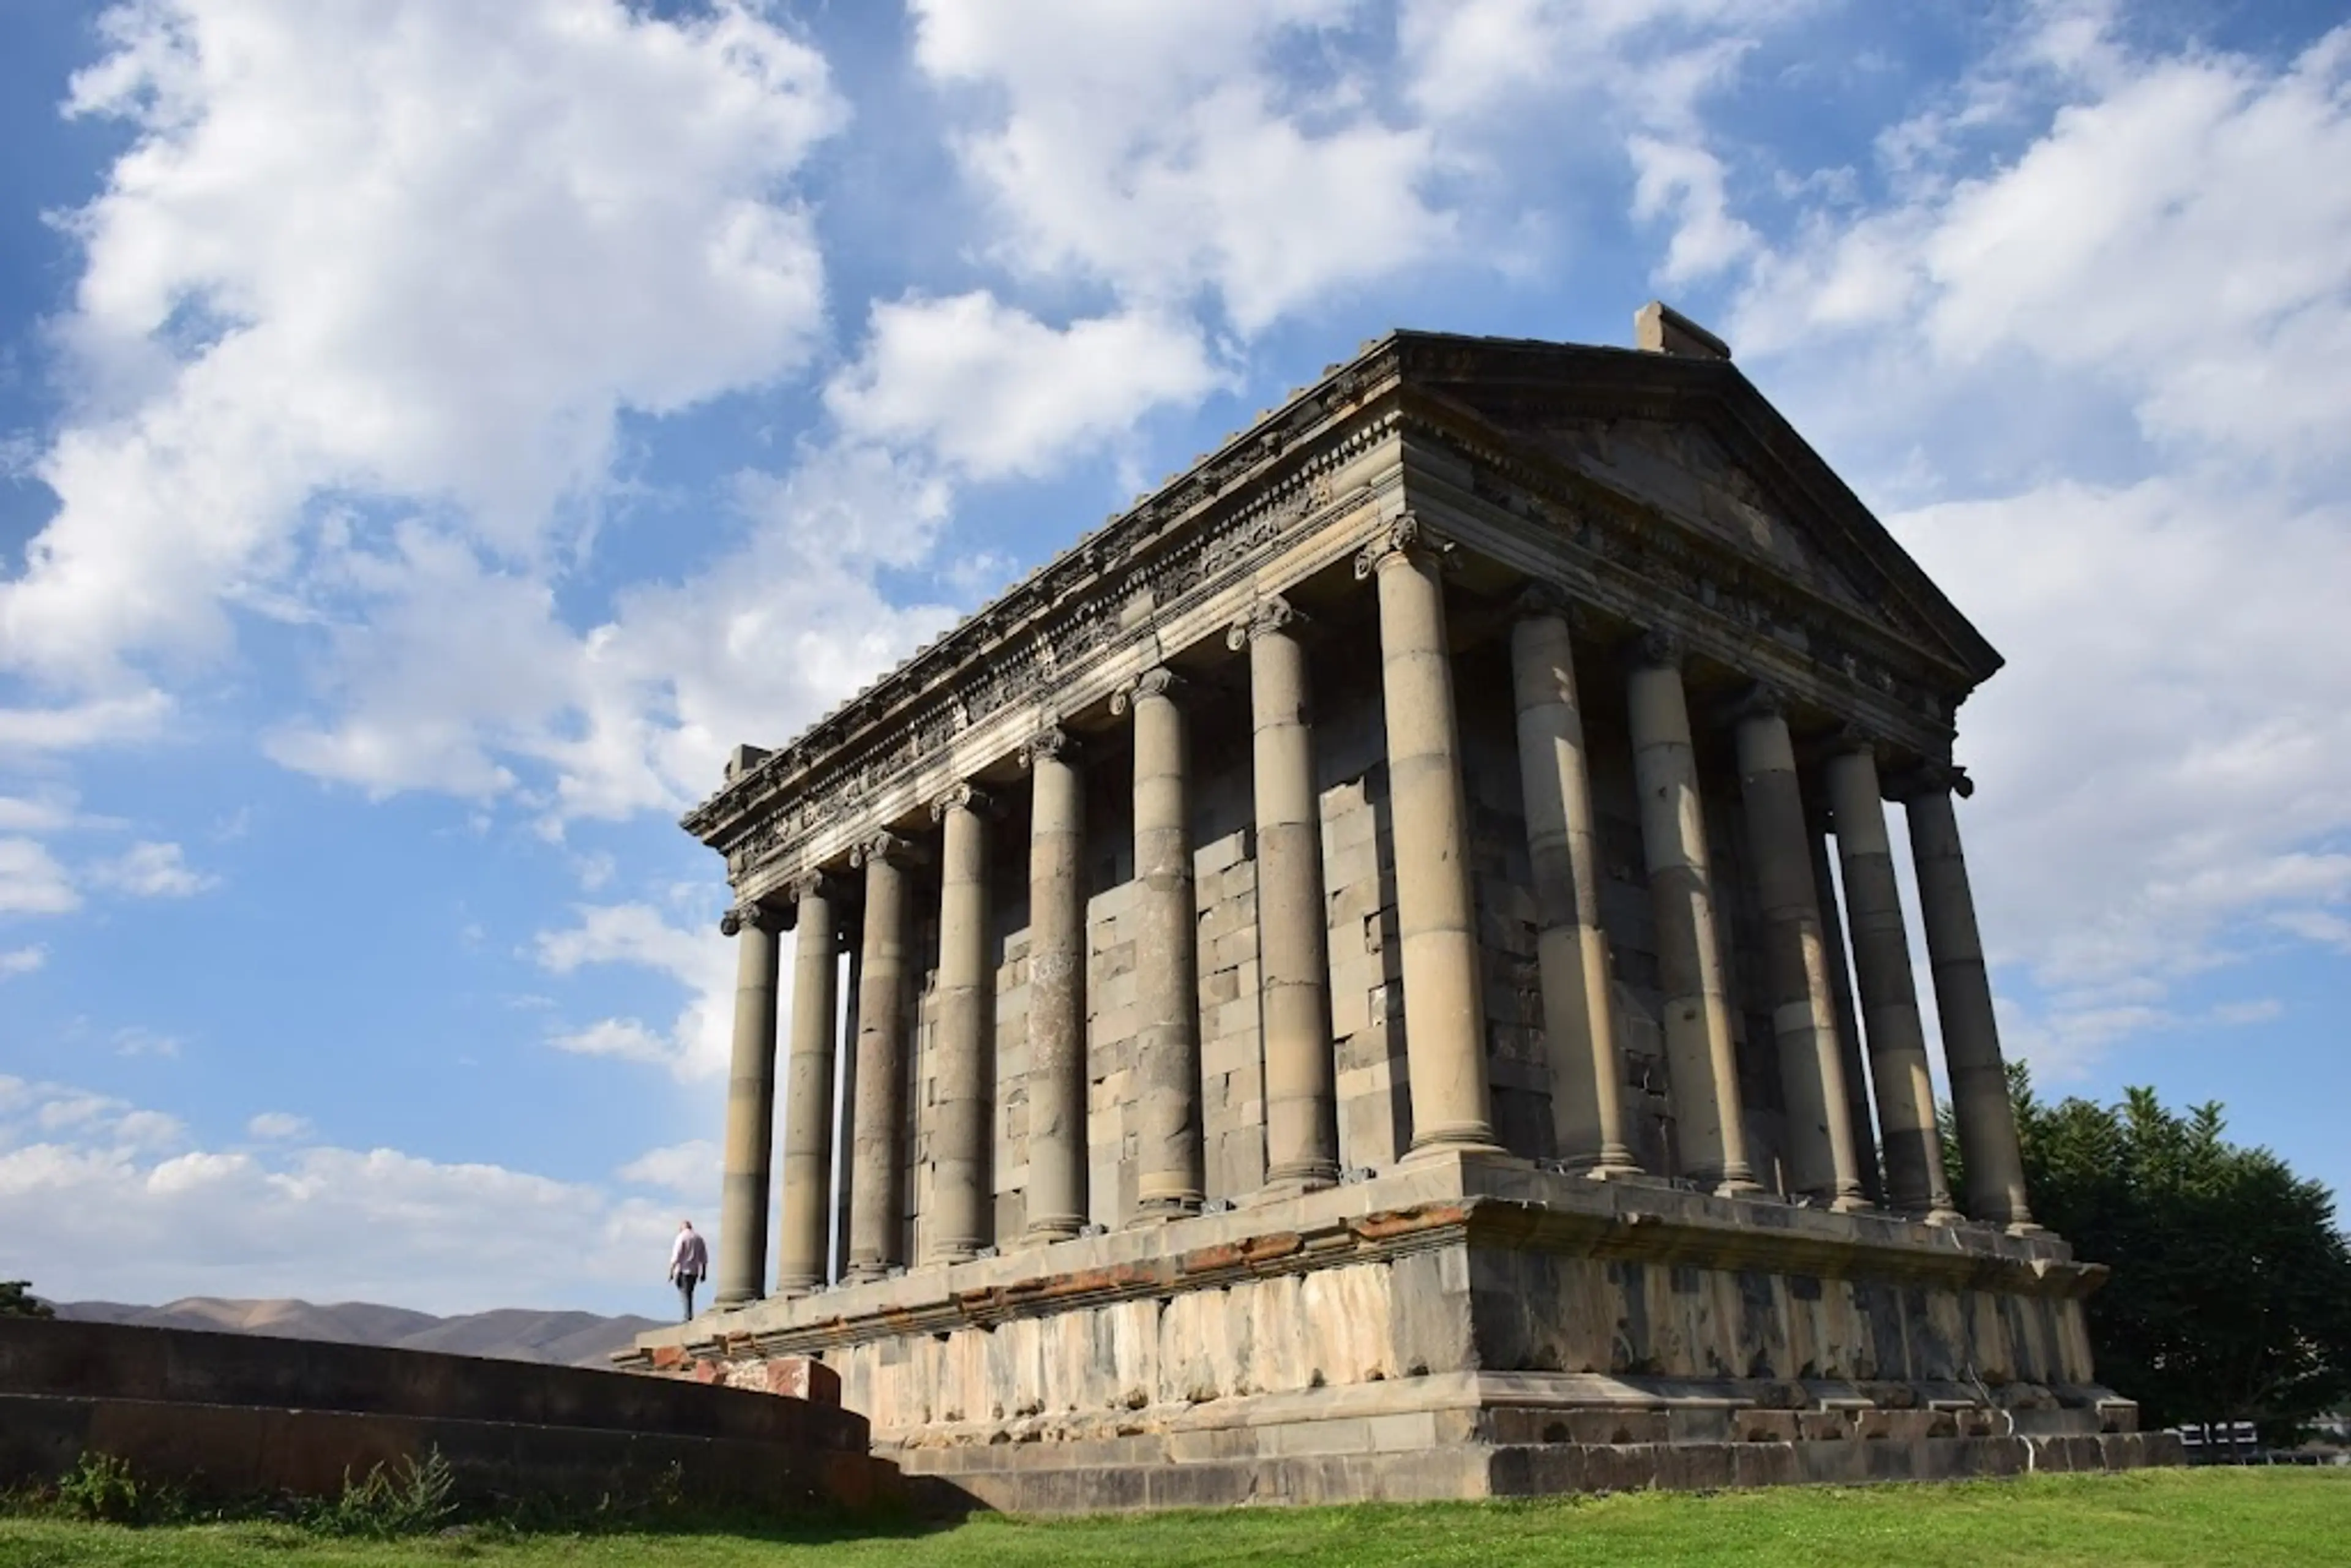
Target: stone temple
x,y
1338,986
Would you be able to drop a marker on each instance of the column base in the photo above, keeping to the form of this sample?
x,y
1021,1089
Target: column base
x,y
1059,1228
1738,1184
1850,1203
1290,1181
1447,1141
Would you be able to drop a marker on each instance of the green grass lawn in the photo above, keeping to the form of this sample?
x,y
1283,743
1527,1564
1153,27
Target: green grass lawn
x,y
2206,1518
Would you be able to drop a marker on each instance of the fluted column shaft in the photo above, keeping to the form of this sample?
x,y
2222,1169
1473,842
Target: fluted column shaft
x,y
1587,1067
1301,1133
957,1226
742,1262
1822,1164
1171,1178
1979,1098
1848,1020
1428,815
808,1092
879,1115
1711,1130
1056,996
1889,996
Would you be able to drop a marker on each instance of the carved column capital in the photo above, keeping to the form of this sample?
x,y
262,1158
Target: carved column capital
x,y
1159,681
1403,539
1659,649
1760,700
962,795
1923,775
817,883
758,916
891,848
1271,614
1540,600
1052,743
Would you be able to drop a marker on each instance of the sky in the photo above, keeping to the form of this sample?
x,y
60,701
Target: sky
x,y
432,433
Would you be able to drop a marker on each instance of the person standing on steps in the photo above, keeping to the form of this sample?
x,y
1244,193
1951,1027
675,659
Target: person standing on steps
x,y
689,1261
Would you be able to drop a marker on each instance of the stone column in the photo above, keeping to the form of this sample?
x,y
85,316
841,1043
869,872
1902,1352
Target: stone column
x,y
1587,1067
808,1093
1302,1132
879,1114
1444,1008
1056,990
1171,1180
1822,1164
1987,1117
1710,1129
1889,996
742,1262
957,1226
1848,1019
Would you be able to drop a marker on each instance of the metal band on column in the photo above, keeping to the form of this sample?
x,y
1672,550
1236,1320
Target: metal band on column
x,y
1444,1006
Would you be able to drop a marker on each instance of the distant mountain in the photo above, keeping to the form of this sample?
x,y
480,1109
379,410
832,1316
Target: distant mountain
x,y
510,1333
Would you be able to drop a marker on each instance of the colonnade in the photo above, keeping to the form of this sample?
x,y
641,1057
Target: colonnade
x,y
1828,1157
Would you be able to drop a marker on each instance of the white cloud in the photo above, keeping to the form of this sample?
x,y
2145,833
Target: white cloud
x,y
699,1042
138,1041
149,870
98,721
426,252
104,1202
32,882
16,961
996,392
689,1169
1159,149
279,1127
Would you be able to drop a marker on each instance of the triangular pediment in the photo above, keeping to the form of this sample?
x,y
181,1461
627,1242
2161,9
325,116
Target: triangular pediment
x,y
1693,445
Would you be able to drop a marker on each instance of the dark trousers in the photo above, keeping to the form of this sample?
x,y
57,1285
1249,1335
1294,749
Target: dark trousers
x,y
686,1284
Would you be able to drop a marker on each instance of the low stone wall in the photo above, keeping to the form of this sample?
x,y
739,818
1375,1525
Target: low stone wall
x,y
1463,1327
233,1415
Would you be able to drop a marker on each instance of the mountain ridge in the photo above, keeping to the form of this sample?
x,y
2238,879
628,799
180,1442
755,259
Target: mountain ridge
x,y
555,1337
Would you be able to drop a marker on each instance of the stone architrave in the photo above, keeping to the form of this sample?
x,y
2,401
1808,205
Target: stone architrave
x,y
1444,1005
1057,988
1912,1146
1171,1180
742,1261
1822,1164
1980,1097
961,1077
1302,1132
1710,1133
803,1247
1587,1064
876,1211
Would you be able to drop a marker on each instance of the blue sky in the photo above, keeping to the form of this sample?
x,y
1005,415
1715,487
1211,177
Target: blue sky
x,y
432,432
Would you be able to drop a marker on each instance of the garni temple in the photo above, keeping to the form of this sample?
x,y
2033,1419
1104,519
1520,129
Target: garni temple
x,y
1380,973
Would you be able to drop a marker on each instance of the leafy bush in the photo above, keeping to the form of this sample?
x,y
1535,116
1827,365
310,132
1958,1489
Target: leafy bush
x,y
101,1487
17,1300
405,1499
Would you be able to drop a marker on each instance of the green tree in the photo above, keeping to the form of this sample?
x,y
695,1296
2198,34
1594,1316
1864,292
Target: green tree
x,y
2231,1293
17,1300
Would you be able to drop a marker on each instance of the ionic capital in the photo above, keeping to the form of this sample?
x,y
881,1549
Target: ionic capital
x,y
890,848
1404,540
1538,600
757,915
1272,615
1659,649
962,795
1052,744
1159,681
1760,700
1926,776
814,884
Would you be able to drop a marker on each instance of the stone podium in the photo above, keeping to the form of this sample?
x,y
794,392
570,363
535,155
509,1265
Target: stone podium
x,y
1380,972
